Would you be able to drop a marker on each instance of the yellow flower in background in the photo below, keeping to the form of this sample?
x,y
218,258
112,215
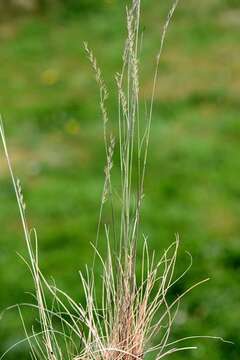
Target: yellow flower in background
x,y
50,77
72,127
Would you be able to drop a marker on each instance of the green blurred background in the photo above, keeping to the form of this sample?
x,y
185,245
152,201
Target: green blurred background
x,y
49,102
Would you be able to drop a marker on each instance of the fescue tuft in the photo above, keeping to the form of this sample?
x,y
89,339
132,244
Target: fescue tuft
x,y
132,311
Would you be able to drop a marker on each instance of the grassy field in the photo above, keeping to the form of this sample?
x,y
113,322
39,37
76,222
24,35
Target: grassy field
x,y
49,102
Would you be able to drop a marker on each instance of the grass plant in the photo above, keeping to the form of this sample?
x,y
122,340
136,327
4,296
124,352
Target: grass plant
x,y
123,322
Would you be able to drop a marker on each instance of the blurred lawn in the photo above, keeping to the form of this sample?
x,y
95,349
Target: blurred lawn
x,y
48,99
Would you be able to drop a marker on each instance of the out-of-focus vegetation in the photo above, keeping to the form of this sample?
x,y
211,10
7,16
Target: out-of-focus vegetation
x,y
50,106
45,6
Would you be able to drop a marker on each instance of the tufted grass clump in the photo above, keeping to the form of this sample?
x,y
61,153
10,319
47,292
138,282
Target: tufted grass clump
x,y
133,310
